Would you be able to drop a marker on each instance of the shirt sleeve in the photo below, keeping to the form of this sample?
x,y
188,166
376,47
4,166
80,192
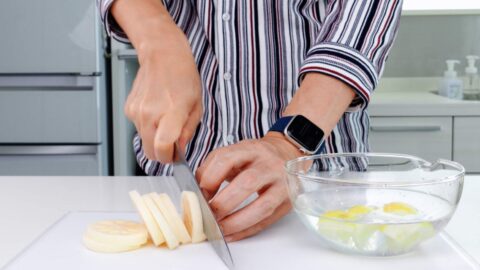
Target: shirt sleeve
x,y
353,44
111,26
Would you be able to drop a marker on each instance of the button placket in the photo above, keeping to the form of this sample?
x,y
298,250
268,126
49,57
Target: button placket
x,y
225,73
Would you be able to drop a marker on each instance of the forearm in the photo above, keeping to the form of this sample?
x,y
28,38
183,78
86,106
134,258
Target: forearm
x,y
146,23
322,99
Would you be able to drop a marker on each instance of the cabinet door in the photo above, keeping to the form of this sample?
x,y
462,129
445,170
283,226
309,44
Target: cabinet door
x,y
466,143
49,109
49,160
426,137
49,36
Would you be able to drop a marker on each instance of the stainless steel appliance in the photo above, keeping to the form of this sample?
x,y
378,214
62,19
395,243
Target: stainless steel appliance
x,y
52,89
124,69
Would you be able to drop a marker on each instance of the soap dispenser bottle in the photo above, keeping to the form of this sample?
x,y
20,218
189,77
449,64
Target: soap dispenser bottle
x,y
451,86
472,80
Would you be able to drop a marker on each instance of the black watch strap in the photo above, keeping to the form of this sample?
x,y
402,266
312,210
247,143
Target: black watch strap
x,y
281,124
308,137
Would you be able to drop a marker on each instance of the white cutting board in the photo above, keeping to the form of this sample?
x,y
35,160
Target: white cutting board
x,y
286,245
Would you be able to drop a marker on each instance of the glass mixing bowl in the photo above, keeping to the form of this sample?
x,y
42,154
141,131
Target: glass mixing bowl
x,y
373,203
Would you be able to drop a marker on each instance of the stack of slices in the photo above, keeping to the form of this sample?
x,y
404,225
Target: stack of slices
x,y
161,223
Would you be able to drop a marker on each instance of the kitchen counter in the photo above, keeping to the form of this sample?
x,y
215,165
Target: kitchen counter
x,y
419,103
29,205
432,7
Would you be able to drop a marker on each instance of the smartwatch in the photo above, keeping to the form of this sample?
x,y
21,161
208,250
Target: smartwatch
x,y
301,132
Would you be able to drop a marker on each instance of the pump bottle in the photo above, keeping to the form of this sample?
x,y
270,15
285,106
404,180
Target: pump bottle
x,y
451,86
471,80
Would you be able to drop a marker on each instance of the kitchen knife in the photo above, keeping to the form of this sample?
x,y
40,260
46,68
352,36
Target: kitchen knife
x,y
186,181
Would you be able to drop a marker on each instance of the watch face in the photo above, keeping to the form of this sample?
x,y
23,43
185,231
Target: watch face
x,y
305,133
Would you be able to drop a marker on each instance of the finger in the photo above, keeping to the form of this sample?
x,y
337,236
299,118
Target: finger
x,y
147,129
129,102
281,211
222,163
263,207
140,113
240,188
190,126
146,117
131,107
168,131
230,175
147,134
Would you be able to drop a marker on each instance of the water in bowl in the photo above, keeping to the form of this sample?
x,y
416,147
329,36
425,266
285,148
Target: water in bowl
x,y
355,220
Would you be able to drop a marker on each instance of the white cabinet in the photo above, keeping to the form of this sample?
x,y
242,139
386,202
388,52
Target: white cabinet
x,y
49,109
426,137
466,141
49,37
454,138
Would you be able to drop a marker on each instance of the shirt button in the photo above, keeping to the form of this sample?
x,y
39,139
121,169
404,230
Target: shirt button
x,y
230,139
226,16
227,76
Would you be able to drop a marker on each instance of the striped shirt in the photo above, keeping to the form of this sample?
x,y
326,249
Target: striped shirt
x,y
253,54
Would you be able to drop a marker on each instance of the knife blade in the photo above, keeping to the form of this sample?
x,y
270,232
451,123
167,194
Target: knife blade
x,y
186,181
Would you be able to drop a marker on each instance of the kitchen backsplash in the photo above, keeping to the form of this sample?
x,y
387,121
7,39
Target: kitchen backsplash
x,y
425,42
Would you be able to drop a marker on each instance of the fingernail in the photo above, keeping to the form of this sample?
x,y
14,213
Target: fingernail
x,y
228,238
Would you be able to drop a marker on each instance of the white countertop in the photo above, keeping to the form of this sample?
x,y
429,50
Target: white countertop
x,y
29,205
434,7
419,103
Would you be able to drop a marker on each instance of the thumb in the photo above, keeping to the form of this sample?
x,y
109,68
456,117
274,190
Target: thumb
x,y
168,132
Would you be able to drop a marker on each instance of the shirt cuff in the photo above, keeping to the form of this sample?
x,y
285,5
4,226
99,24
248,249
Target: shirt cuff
x,y
111,26
345,64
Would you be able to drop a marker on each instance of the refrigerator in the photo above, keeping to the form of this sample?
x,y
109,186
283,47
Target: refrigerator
x,y
124,63
53,101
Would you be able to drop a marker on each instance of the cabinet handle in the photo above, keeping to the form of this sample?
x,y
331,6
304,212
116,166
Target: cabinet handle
x,y
405,128
37,82
47,88
127,54
17,150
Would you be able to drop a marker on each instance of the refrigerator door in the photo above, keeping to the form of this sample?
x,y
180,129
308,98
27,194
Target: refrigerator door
x,y
49,160
50,36
49,109
124,70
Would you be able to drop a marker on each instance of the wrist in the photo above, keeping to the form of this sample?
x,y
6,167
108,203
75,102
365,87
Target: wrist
x,y
166,36
139,18
321,98
283,145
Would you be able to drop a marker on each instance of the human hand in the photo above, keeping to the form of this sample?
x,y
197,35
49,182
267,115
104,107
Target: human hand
x,y
251,166
165,101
